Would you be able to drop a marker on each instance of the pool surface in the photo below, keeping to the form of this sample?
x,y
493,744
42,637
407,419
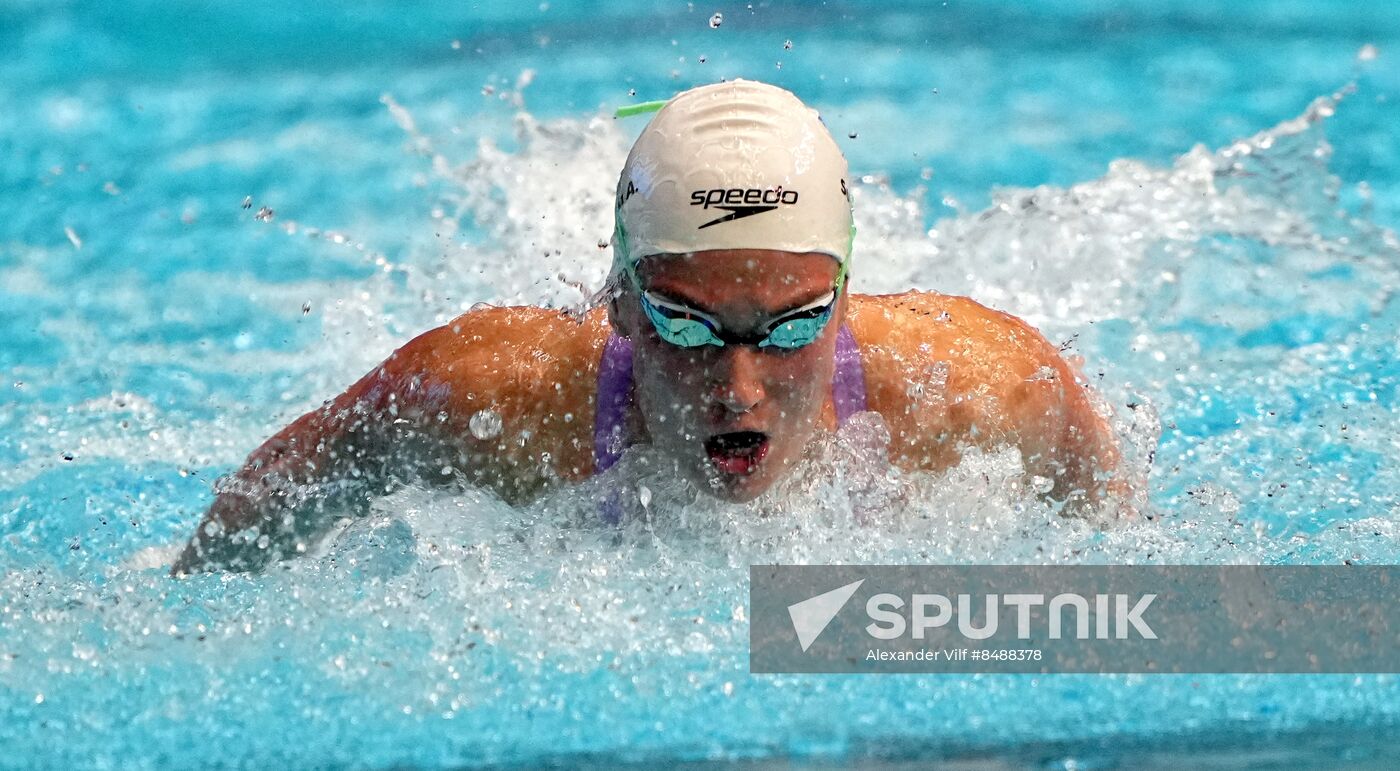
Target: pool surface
x,y
217,215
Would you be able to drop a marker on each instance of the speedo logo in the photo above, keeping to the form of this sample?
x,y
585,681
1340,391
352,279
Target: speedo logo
x,y
741,202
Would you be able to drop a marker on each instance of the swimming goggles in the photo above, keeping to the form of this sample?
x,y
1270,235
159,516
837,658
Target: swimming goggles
x,y
688,328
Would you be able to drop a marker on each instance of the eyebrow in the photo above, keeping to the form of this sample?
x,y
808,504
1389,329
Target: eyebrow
x,y
680,299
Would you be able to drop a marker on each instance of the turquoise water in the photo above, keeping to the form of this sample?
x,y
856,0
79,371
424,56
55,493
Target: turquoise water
x,y
420,159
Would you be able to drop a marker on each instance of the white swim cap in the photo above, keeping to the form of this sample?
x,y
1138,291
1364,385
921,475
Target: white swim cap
x,y
736,165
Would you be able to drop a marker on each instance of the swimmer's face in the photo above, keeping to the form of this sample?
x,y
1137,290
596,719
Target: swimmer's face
x,y
735,418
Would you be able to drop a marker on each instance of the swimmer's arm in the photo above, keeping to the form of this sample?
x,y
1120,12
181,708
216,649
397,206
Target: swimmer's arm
x,y
279,501
331,461
1051,417
411,418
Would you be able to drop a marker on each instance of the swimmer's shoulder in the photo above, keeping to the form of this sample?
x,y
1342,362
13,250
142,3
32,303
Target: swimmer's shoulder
x,y
512,347
531,370
952,365
916,325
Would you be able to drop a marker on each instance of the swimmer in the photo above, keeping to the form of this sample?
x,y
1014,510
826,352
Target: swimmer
x,y
728,343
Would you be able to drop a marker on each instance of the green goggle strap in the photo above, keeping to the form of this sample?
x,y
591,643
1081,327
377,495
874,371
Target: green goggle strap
x,y
628,111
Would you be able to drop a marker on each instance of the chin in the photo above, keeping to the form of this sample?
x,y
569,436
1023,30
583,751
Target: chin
x,y
736,494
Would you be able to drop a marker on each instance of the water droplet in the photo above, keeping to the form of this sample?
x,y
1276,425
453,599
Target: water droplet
x,y
264,214
631,92
852,135
644,495
488,90
702,58
73,238
716,20
787,45
1042,485
485,424
248,202
1045,372
456,45
306,308
1368,53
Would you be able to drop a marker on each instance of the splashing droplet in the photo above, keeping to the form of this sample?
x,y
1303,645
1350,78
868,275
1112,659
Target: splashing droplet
x,y
248,202
852,135
1045,373
716,20
73,237
787,45
644,495
485,424
264,215
1368,53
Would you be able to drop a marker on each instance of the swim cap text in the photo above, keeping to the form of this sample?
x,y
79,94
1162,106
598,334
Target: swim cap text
x,y
739,195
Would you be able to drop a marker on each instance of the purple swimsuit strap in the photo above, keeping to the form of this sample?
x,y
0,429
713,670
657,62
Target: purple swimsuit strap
x,y
848,381
615,393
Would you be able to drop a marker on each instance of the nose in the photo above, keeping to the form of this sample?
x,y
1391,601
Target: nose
x,y
736,378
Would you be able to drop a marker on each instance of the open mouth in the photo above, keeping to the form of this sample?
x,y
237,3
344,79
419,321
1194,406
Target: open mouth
x,y
737,452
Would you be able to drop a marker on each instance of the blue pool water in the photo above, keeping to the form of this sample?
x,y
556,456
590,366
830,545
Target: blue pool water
x,y
420,158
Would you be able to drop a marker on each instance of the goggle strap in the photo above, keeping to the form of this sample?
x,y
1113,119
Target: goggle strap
x,y
628,111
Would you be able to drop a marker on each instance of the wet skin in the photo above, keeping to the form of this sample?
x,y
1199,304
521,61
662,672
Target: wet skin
x,y
945,372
